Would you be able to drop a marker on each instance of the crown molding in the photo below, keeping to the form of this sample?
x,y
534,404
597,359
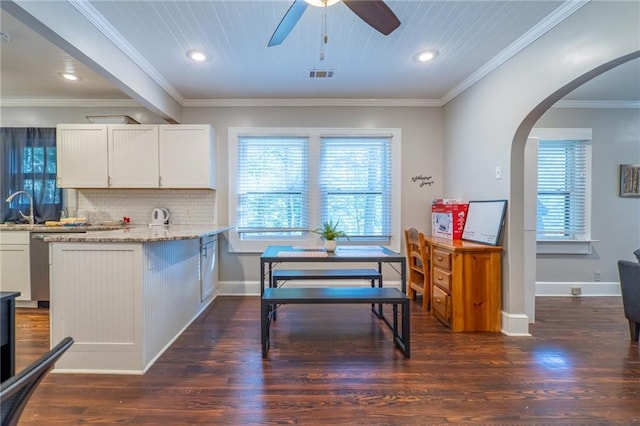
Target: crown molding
x,y
274,102
597,104
89,12
300,102
559,15
68,103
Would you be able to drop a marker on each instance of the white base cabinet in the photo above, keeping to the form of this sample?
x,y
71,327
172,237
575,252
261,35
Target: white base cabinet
x,y
136,156
15,271
123,303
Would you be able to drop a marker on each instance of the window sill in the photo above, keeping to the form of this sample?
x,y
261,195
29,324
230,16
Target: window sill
x,y
564,246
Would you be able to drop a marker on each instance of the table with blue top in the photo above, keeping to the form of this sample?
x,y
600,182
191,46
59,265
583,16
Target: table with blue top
x,y
273,294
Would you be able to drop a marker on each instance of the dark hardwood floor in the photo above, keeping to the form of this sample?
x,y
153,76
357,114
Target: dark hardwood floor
x,y
333,364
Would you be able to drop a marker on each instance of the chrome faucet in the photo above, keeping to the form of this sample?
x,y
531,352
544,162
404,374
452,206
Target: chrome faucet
x,y
30,217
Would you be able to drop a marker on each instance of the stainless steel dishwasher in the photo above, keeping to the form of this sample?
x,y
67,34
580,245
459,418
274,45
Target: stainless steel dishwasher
x,y
39,259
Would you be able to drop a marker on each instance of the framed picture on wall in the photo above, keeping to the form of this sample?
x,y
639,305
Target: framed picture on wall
x,y
630,180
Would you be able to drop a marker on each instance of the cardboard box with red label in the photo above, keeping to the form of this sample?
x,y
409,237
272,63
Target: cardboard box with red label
x,y
447,219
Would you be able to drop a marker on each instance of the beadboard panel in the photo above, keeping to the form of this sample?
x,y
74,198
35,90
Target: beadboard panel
x,y
96,300
171,291
124,304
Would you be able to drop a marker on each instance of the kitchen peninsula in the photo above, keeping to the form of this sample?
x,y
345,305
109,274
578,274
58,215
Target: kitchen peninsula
x,y
126,295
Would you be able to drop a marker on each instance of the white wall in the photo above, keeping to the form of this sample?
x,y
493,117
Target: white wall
x,y
487,125
421,154
615,221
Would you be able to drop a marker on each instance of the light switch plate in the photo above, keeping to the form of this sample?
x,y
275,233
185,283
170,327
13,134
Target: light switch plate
x,y
498,172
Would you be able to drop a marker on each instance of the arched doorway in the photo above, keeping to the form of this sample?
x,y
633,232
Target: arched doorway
x,y
521,188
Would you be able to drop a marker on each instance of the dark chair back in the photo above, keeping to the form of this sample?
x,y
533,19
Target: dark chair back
x,y
630,288
16,391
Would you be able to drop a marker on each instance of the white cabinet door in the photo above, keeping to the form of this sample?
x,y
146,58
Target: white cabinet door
x,y
133,156
15,272
81,151
187,156
208,266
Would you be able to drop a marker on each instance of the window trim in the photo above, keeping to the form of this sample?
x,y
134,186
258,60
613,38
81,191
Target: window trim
x,y
581,245
236,245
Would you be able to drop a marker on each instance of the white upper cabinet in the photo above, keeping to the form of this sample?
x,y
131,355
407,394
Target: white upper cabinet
x,y
135,156
81,152
187,156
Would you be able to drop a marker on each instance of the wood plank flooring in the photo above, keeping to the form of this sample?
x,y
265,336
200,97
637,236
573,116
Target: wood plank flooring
x,y
333,364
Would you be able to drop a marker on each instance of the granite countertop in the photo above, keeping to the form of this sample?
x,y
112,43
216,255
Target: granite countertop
x,y
141,234
57,229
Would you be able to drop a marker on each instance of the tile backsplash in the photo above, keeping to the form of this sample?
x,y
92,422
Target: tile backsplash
x,y
187,207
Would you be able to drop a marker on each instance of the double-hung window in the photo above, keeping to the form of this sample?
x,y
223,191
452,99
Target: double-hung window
x,y
355,185
285,183
563,194
272,187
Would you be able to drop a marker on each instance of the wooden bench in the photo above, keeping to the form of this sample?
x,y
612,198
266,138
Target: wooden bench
x,y
274,296
372,275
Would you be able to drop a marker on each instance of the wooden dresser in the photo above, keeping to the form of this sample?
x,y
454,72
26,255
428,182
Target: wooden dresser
x,y
466,284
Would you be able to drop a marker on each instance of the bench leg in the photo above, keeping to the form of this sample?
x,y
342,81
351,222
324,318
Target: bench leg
x,y
265,309
377,312
406,335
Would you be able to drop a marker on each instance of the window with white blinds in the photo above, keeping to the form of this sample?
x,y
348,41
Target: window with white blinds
x,y
285,182
355,185
272,187
563,190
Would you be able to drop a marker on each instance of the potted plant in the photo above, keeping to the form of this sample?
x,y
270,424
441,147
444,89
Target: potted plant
x,y
329,232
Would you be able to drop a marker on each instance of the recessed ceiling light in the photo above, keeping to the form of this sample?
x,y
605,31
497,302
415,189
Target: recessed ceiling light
x,y
321,3
70,76
425,56
197,55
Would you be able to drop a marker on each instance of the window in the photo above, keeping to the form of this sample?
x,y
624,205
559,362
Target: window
x,y
272,189
563,192
286,182
28,163
39,173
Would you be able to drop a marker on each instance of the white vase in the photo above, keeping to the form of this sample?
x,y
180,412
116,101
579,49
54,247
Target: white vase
x,y
330,245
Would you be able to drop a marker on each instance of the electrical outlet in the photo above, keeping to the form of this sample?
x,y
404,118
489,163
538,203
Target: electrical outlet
x,y
596,276
576,291
498,172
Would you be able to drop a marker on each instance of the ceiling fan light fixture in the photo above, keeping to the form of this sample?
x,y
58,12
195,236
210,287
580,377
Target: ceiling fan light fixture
x,y
321,3
425,56
197,55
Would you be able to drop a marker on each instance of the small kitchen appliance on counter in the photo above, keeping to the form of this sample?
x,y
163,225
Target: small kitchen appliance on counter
x,y
159,217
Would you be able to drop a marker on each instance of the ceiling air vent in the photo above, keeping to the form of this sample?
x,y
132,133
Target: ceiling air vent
x,y
320,73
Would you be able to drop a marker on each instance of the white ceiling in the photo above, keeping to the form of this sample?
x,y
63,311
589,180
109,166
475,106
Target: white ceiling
x,y
472,38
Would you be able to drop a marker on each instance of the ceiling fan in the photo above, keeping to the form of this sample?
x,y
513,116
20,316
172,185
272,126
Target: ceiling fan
x,y
374,12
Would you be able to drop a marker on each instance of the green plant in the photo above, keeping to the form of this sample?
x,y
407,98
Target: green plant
x,y
329,231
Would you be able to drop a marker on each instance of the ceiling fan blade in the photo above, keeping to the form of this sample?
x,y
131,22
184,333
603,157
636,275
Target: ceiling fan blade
x,y
375,13
289,20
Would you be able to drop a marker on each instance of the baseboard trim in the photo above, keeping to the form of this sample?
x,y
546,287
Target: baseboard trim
x,y
515,324
599,288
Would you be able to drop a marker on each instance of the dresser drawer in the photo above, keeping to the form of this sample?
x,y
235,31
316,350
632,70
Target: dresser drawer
x,y
442,259
442,279
441,305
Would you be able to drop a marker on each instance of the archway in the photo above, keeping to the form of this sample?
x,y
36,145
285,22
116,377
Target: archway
x,y
521,248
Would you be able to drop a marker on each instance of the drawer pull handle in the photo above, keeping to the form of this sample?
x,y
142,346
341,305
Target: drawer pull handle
x,y
440,277
439,257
